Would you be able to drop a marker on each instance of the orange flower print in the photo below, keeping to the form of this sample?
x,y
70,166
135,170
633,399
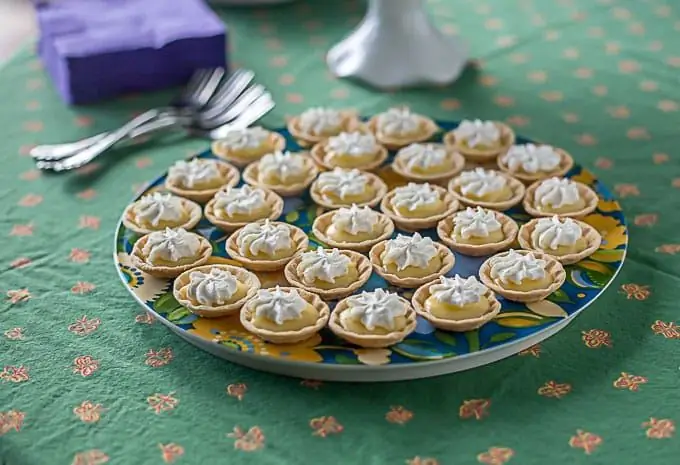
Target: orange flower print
x,y
422,461
311,383
619,112
596,338
84,326
22,230
583,73
586,139
552,96
570,117
636,291
16,296
647,219
30,200
87,194
660,158
160,403
14,334
674,61
11,420
30,175
399,415
586,441
554,389
571,53
20,262
323,426
537,76
450,104
604,163
237,390
518,120
143,162
627,190
630,382
668,105
496,456
79,256
534,351
159,358
247,441
670,249
82,287
15,374
88,169
83,121
659,429
488,81
89,222
85,365
676,183
171,452
629,66
638,134
88,412
33,126
144,318
474,408
649,86
504,101
90,457
668,330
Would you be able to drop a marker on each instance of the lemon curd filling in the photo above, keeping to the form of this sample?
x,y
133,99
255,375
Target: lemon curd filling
x,y
432,169
278,255
308,317
411,271
527,284
448,311
255,214
354,325
344,160
493,237
422,211
366,195
241,291
252,153
162,224
494,196
568,208
339,235
342,281
577,247
274,179
213,183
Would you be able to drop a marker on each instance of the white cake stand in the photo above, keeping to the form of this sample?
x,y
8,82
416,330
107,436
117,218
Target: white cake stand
x,y
397,45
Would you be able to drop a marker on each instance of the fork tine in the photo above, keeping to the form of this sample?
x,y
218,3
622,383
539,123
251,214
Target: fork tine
x,y
228,93
195,82
210,85
238,107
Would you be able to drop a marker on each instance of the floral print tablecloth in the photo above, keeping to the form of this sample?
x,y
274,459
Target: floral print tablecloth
x,y
85,378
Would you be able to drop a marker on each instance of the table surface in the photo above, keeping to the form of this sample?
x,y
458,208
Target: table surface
x,y
88,379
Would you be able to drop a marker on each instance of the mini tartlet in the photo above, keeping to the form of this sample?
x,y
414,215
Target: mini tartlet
x,y
410,261
566,239
427,163
345,187
418,206
487,188
157,211
354,228
480,141
317,124
478,232
373,319
332,274
399,127
529,162
350,150
234,207
266,245
171,252
284,315
244,146
287,174
215,290
561,197
522,275
200,178
456,304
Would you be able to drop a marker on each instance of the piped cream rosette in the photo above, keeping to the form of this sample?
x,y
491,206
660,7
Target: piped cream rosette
x,y
346,187
200,178
561,197
168,253
287,174
428,162
157,211
478,232
418,206
487,188
529,162
566,239
480,141
234,207
266,245
399,127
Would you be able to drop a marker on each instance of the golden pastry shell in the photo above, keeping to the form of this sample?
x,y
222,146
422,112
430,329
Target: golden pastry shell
x,y
350,122
428,128
458,163
190,206
375,255
378,185
516,186
275,143
323,222
229,173
163,271
591,235
508,226
566,163
272,199
252,171
416,224
584,191
286,337
241,274
482,155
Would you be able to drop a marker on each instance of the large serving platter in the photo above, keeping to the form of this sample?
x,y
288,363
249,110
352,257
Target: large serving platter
x,y
427,351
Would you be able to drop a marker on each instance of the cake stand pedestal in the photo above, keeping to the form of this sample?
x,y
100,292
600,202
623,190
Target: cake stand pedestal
x,y
397,45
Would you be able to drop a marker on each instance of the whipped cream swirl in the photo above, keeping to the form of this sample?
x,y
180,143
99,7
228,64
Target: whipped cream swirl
x,y
157,207
457,291
171,245
355,220
265,237
239,200
551,233
480,182
377,309
247,138
423,156
354,144
398,122
282,165
475,222
213,288
413,196
531,158
556,193
514,267
324,265
191,173
318,121
278,305
477,132
405,251
342,183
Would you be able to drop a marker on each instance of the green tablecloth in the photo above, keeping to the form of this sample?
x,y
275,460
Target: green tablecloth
x,y
87,379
